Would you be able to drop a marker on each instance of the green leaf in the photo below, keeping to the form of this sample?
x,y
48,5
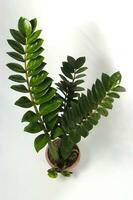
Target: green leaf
x,y
35,46
79,89
100,89
78,82
17,78
35,63
24,102
30,116
66,147
43,86
16,67
21,25
27,28
80,62
114,95
66,73
47,97
34,36
33,24
51,124
50,116
106,81
107,104
102,111
35,54
80,76
119,89
16,56
71,60
33,127
38,79
68,67
82,69
57,132
115,79
75,136
66,173
20,88
18,36
49,107
37,70
41,141
16,46
52,173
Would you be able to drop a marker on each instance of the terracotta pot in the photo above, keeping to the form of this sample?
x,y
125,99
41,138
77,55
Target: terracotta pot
x,y
70,168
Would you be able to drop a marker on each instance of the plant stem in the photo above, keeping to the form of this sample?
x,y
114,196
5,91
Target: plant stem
x,y
52,148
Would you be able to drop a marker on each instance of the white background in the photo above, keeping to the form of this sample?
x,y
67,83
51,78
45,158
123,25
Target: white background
x,y
103,32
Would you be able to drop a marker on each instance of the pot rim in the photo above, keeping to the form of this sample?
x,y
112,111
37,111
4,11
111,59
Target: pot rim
x,y
70,168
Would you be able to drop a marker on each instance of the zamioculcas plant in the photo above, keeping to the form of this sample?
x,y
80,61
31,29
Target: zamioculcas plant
x,y
63,115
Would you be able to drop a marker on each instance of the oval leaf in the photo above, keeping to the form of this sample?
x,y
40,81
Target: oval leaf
x,y
18,36
41,141
19,88
16,67
16,56
33,127
17,78
24,102
16,46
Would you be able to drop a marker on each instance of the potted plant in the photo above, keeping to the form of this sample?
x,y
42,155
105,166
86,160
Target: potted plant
x,y
63,115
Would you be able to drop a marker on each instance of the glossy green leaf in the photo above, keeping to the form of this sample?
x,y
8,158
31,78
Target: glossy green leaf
x,y
41,141
43,86
49,107
16,46
34,46
16,56
35,63
30,116
38,79
35,54
21,25
27,28
47,97
17,78
115,79
16,67
33,24
35,127
37,70
20,88
24,102
34,37
18,36
52,173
